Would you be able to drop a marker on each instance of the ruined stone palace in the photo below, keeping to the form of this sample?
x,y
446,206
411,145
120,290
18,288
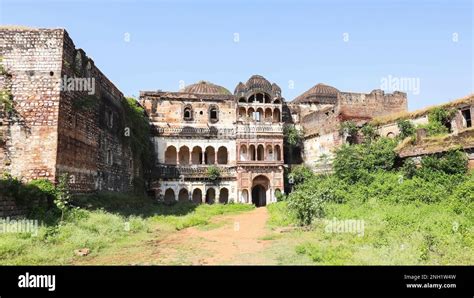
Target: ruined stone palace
x,y
47,129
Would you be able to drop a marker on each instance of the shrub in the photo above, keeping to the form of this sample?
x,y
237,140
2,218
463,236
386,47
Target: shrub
x,y
369,132
407,129
300,173
306,207
354,162
292,135
409,168
213,173
450,162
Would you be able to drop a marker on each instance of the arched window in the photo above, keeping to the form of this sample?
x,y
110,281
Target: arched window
x,y
242,112
251,112
278,152
222,155
213,114
243,152
252,152
276,115
242,99
269,153
188,113
210,155
267,98
184,155
268,115
171,155
196,156
260,152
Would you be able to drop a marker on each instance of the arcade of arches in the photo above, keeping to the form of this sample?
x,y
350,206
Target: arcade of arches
x,y
196,156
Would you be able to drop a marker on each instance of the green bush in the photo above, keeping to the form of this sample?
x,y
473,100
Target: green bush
x,y
354,162
300,174
409,168
407,129
213,173
306,207
451,162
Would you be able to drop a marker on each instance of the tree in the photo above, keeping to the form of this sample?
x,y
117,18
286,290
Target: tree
x,y
407,129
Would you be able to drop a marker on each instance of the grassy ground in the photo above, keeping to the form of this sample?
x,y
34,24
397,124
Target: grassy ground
x,y
394,234
106,224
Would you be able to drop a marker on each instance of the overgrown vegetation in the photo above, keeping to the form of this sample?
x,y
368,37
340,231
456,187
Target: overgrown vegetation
x,y
99,222
292,135
407,129
137,134
438,121
213,173
370,171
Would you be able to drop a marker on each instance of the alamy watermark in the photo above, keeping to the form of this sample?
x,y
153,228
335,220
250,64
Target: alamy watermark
x,y
78,84
351,226
406,84
8,225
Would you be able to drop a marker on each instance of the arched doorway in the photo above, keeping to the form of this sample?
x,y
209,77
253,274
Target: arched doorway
x,y
169,195
183,195
259,190
197,196
211,196
224,196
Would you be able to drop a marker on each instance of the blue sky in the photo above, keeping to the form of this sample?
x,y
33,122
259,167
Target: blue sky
x,y
351,45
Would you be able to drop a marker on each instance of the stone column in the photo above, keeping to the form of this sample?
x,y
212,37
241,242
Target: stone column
x,y
203,157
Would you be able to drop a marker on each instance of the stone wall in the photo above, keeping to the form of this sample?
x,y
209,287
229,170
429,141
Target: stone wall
x,y
10,208
67,117
33,61
91,128
374,104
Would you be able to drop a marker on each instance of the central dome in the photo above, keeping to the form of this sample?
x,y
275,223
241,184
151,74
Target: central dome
x,y
203,87
259,82
319,93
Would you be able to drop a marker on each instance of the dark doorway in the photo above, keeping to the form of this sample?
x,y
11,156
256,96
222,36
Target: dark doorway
x,y
467,117
258,196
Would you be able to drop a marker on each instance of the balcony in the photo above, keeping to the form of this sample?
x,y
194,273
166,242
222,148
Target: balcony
x,y
199,132
252,129
193,171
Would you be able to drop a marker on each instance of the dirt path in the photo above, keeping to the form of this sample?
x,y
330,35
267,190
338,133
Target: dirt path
x,y
234,237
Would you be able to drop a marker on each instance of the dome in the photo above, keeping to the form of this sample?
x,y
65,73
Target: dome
x,y
276,89
240,88
319,93
259,82
203,87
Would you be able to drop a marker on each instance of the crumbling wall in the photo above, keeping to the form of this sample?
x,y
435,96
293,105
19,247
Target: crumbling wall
x,y
33,59
91,132
374,104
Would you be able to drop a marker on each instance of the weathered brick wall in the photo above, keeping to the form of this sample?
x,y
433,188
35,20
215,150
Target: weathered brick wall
x,y
53,130
32,59
10,208
376,103
92,146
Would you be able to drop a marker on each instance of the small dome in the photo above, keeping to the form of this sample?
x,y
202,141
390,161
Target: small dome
x,y
276,89
240,88
259,82
319,93
203,87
